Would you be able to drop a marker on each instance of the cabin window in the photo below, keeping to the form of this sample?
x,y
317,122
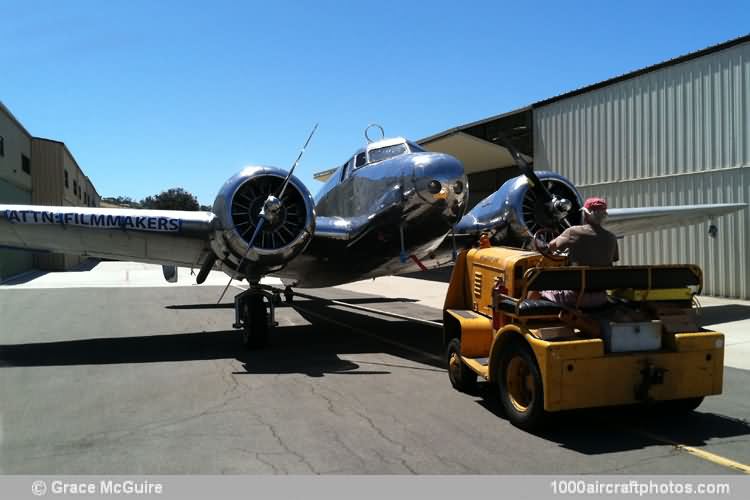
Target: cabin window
x,y
361,160
387,152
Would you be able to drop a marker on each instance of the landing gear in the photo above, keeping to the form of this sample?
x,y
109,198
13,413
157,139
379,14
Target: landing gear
x,y
254,311
288,295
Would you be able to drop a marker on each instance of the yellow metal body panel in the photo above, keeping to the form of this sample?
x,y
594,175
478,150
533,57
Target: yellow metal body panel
x,y
614,380
476,332
579,374
479,368
458,296
486,266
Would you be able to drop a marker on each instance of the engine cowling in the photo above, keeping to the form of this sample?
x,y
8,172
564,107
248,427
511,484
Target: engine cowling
x,y
514,212
529,212
238,207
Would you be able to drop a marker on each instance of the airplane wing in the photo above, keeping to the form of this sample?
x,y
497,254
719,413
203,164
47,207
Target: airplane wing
x,y
625,221
152,236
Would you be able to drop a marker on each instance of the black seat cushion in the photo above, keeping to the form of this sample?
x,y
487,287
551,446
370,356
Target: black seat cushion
x,y
528,307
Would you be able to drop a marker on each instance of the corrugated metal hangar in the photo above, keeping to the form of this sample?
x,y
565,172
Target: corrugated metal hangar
x,y
675,133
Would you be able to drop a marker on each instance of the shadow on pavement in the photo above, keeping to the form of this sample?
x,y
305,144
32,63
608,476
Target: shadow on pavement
x,y
607,430
311,349
31,275
24,277
712,315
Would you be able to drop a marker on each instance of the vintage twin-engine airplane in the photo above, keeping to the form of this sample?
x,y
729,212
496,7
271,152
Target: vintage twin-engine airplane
x,y
388,210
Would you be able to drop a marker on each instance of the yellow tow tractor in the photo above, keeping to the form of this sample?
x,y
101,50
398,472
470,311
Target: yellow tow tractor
x,y
643,346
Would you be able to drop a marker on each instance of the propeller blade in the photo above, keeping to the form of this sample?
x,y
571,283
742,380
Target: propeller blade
x,y
272,203
294,165
249,247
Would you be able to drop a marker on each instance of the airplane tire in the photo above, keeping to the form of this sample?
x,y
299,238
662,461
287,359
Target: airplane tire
x,y
462,377
255,322
520,386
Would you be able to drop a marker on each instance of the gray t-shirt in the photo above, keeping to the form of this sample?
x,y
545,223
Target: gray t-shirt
x,y
589,245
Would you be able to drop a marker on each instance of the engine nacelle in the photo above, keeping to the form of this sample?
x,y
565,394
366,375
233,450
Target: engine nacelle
x,y
238,207
515,212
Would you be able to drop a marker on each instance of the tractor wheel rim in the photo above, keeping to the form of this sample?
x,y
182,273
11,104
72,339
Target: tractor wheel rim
x,y
519,381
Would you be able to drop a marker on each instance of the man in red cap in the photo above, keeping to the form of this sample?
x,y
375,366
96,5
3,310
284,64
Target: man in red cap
x,y
589,245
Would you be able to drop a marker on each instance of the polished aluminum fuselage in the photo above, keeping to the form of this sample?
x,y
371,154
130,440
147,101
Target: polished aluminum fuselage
x,y
378,219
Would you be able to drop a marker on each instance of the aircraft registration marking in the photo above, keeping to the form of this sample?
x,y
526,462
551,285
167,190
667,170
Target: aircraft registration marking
x,y
138,223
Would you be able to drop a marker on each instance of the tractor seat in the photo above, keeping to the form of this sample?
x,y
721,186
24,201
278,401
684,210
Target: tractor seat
x,y
544,307
530,307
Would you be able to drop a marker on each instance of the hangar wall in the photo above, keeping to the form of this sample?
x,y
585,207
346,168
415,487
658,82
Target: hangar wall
x,y
679,134
15,183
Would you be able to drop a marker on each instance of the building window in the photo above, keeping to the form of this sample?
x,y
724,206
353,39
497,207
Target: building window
x,y
25,164
66,179
86,198
2,146
75,188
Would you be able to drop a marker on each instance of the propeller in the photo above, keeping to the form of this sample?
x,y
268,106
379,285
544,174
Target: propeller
x,y
557,207
270,210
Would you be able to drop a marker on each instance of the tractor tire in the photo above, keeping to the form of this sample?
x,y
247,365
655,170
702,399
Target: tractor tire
x,y
520,386
462,377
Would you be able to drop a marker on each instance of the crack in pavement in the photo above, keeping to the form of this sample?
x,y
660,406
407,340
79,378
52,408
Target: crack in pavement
x,y
383,436
283,445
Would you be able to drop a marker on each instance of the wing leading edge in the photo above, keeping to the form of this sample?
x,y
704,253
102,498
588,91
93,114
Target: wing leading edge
x,y
625,221
153,236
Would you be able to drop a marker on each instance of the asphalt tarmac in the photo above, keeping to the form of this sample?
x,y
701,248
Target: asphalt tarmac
x,y
145,378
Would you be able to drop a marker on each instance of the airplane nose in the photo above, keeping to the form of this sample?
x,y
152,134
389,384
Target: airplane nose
x,y
439,179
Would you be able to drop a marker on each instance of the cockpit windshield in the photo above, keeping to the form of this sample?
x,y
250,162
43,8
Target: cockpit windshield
x,y
387,152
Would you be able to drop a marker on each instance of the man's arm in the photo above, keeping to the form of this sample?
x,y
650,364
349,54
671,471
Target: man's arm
x,y
561,242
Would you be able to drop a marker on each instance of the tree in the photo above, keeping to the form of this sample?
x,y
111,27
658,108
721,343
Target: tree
x,y
123,201
172,199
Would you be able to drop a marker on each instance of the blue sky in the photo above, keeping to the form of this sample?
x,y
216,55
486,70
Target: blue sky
x,y
151,95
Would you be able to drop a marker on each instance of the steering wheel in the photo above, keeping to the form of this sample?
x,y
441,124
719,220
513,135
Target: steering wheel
x,y
541,242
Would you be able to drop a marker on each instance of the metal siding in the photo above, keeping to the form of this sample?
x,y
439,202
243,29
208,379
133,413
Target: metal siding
x,y
677,135
16,143
46,171
13,261
49,185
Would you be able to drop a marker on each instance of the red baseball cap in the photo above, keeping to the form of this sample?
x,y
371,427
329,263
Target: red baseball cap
x,y
595,204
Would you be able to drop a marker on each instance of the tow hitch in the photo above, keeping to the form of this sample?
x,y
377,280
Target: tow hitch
x,y
651,375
